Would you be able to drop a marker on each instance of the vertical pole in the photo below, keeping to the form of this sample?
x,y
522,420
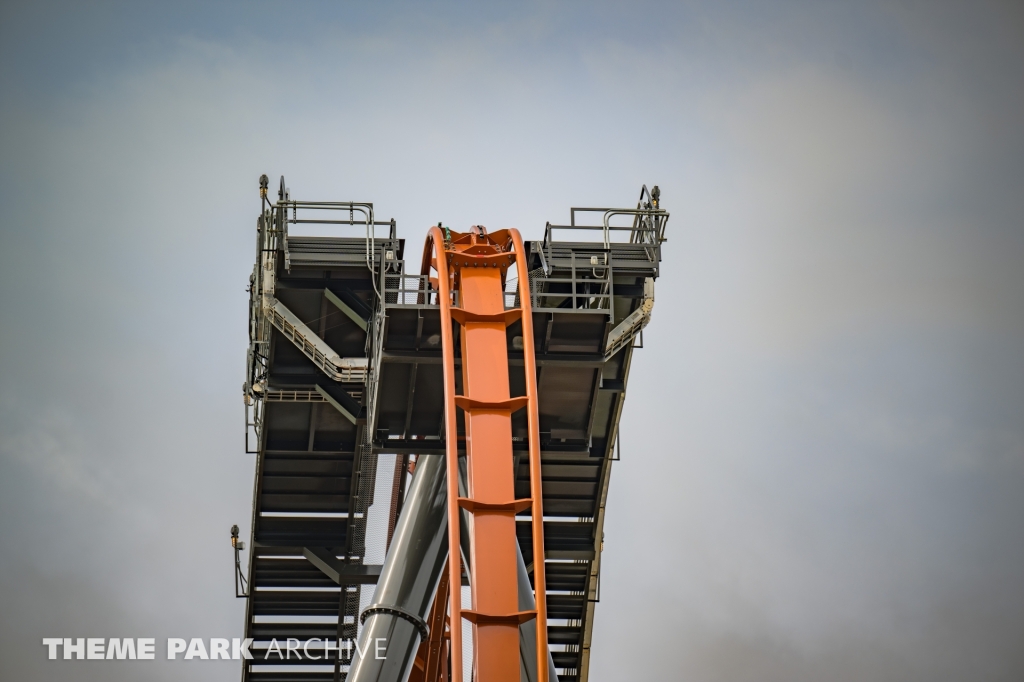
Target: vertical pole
x,y
435,645
397,487
533,422
435,242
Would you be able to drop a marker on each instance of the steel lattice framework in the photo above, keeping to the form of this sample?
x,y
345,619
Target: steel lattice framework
x,y
499,372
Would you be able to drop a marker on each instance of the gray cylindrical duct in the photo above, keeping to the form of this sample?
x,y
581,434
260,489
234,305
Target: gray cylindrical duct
x,y
408,580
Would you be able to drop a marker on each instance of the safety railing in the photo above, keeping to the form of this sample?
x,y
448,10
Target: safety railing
x,y
641,238
405,290
585,286
573,292
648,226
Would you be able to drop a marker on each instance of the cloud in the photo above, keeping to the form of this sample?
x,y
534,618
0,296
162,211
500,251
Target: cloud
x,y
822,448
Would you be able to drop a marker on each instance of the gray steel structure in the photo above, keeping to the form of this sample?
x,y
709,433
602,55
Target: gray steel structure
x,y
344,365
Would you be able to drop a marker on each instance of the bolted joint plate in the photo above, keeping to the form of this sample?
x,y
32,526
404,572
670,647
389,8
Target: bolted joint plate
x,y
461,259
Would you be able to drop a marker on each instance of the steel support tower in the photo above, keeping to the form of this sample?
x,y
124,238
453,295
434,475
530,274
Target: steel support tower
x,y
501,367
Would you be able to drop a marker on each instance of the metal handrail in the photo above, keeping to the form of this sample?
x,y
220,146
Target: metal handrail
x,y
603,297
607,228
397,286
363,208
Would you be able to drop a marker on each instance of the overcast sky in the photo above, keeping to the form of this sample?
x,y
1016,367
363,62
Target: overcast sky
x,y
822,474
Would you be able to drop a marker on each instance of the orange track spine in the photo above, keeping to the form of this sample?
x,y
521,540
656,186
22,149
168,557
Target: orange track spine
x,y
474,264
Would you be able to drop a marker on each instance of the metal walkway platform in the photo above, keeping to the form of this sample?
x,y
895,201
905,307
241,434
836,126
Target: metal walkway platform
x,y
345,372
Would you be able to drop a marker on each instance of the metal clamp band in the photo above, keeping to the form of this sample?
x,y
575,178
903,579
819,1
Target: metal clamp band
x,y
401,613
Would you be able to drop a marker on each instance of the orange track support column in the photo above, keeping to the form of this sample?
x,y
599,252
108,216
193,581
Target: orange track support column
x,y
533,438
490,477
474,265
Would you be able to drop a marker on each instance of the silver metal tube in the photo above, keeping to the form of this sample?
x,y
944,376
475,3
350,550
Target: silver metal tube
x,y
409,578
401,603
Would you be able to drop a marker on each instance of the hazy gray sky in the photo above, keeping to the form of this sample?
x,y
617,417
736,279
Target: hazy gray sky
x,y
823,444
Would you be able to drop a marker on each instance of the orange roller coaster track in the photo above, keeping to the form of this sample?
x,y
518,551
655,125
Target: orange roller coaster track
x,y
471,269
